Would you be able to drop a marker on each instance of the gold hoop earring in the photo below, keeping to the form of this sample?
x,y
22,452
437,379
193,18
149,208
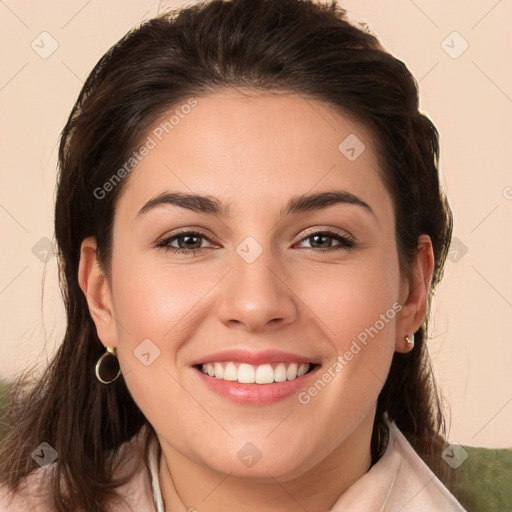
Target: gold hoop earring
x,y
107,368
410,341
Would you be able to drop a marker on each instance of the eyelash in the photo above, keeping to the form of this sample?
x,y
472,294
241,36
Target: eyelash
x,y
346,242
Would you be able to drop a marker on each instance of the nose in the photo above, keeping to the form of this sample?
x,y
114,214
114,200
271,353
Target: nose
x,y
258,296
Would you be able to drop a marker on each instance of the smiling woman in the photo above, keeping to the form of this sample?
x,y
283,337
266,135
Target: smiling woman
x,y
250,230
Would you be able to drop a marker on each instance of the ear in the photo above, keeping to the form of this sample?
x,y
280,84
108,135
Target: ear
x,y
96,288
414,293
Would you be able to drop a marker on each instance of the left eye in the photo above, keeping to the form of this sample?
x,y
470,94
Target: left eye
x,y
190,242
187,242
345,241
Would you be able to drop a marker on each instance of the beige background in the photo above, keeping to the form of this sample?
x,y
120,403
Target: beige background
x,y
468,97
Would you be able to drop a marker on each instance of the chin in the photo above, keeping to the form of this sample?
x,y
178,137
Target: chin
x,y
261,459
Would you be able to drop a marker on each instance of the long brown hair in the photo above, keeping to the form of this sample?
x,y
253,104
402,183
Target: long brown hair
x,y
280,45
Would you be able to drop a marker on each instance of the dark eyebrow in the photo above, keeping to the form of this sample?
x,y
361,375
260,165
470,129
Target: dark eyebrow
x,y
318,201
201,204
212,206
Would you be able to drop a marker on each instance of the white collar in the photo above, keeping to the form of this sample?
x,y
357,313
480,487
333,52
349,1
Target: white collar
x,y
154,450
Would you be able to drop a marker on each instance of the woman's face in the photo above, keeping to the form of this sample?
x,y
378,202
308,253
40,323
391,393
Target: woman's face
x,y
260,290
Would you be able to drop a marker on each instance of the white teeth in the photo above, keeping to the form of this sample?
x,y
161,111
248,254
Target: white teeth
x,y
246,374
250,374
264,374
280,373
219,371
291,372
303,368
230,372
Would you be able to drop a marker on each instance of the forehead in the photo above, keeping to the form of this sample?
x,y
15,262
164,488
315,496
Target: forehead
x,y
249,148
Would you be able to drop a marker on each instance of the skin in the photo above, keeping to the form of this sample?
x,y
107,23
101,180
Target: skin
x,y
241,149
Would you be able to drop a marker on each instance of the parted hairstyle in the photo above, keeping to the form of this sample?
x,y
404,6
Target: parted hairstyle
x,y
294,46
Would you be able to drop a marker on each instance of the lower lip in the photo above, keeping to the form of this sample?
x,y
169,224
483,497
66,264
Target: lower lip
x,y
255,394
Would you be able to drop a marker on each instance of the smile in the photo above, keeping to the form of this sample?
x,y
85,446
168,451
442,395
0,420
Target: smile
x,y
250,378
255,374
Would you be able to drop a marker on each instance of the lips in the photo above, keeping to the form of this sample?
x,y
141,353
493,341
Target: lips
x,y
254,358
255,378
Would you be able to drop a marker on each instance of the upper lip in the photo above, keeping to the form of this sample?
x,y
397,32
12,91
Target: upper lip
x,y
254,358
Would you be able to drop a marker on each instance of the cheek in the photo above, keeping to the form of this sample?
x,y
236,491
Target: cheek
x,y
150,305
358,308
152,299
351,299
156,308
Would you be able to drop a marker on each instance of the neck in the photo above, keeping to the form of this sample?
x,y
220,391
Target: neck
x,y
188,486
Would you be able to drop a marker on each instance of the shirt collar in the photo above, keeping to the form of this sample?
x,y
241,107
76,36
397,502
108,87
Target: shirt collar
x,y
153,456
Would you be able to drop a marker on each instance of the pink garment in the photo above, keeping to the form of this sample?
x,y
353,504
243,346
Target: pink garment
x,y
399,482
